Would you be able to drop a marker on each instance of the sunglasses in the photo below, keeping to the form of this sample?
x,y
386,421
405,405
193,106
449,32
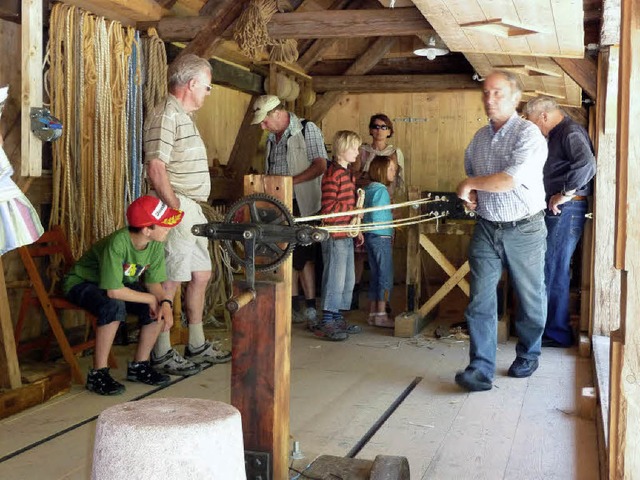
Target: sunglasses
x,y
379,127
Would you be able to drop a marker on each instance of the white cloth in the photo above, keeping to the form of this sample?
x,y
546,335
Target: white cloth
x,y
19,222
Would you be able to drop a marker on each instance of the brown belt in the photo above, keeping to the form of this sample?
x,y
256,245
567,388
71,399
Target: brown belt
x,y
578,197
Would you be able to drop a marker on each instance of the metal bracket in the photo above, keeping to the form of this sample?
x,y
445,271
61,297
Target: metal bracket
x,y
257,465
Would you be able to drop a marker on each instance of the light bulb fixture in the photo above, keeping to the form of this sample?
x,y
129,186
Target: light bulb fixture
x,y
431,52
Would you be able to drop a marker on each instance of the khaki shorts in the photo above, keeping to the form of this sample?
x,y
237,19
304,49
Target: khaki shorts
x,y
185,252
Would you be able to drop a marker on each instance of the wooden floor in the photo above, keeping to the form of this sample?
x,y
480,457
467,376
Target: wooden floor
x,y
522,429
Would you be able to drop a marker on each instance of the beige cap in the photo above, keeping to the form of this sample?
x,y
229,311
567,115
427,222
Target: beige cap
x,y
264,105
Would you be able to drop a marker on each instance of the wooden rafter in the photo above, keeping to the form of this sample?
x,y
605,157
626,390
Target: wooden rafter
x,y
349,23
222,14
583,71
377,50
312,50
393,83
325,24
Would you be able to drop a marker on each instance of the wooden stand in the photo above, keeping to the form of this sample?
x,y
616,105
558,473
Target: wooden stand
x,y
261,345
412,322
9,368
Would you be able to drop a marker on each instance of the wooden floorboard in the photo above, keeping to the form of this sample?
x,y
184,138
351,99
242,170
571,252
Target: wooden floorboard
x,y
523,428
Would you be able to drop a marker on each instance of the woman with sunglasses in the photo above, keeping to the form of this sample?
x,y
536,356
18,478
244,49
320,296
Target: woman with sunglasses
x,y
381,130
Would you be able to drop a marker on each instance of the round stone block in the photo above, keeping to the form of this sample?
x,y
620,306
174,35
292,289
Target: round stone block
x,y
177,438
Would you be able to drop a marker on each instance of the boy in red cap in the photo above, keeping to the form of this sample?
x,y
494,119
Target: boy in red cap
x,y
121,274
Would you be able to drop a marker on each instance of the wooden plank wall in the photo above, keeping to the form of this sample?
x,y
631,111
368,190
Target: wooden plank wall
x,y
431,129
219,120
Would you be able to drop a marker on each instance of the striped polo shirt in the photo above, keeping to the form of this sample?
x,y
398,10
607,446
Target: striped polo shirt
x,y
171,136
338,195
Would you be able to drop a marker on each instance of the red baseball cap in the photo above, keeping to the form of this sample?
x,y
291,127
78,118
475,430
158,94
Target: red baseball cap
x,y
148,210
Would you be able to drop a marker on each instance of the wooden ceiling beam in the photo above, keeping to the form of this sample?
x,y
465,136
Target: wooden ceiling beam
x,y
583,71
127,12
227,74
376,52
313,50
222,14
394,83
349,23
325,24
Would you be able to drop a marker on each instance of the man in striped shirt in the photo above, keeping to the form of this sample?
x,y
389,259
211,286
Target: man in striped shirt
x,y
504,186
178,169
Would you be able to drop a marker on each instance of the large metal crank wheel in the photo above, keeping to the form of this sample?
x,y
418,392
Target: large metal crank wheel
x,y
260,209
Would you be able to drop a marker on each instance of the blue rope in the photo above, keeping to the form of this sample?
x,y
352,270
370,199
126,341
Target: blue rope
x,y
134,124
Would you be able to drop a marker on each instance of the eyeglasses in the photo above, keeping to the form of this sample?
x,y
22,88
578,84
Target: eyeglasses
x,y
206,86
379,127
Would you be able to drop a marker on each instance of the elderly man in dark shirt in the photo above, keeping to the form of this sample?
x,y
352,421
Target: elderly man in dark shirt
x,y
568,172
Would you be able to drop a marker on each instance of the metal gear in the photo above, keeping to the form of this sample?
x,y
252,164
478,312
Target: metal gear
x,y
260,209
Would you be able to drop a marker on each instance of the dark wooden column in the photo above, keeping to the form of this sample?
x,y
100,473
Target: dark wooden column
x,y
261,344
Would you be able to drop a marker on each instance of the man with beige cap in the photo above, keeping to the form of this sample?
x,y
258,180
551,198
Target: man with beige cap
x,y
295,147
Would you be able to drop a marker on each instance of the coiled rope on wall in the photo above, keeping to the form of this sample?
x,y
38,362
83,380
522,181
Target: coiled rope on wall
x,y
95,86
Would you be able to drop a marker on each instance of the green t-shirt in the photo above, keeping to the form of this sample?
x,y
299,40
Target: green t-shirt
x,y
113,263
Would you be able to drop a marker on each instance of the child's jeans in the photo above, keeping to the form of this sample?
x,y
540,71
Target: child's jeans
x,y
381,266
338,276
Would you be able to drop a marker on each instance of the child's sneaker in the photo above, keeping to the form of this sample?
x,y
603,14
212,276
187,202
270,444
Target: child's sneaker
x,y
100,381
172,363
342,324
143,373
311,314
330,331
208,353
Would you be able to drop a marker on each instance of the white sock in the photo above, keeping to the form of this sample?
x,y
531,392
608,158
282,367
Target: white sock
x,y
163,344
196,336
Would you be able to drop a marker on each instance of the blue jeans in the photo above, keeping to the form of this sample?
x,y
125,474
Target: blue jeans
x,y
106,310
338,276
520,248
380,257
564,232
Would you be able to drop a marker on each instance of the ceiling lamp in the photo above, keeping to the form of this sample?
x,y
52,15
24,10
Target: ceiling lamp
x,y
431,52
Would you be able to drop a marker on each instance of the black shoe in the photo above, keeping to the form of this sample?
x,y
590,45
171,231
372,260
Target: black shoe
x,y
330,331
550,342
100,381
355,298
473,380
143,372
521,367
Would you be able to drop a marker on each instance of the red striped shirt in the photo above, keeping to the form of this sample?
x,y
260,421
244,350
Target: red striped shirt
x,y
338,195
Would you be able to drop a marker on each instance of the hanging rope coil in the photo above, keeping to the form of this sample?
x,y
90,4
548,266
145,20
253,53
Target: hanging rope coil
x,y
252,36
94,82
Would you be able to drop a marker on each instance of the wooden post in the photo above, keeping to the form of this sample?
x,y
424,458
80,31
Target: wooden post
x,y
414,271
605,289
624,444
261,345
9,368
31,85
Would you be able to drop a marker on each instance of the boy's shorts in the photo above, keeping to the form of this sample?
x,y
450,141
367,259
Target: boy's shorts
x,y
106,310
